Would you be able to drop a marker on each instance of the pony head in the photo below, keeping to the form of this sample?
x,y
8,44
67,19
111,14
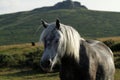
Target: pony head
x,y
58,39
51,37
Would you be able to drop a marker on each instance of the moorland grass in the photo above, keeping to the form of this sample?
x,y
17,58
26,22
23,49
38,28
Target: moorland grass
x,y
30,73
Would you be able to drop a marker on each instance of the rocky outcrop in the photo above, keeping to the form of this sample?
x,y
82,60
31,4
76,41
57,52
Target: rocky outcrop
x,y
67,4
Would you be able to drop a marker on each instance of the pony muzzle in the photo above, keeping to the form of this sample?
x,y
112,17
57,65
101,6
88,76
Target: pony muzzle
x,y
46,66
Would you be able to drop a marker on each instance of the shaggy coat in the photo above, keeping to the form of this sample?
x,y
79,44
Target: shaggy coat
x,y
91,65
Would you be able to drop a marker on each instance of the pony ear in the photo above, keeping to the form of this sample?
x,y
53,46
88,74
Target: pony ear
x,y
45,24
57,24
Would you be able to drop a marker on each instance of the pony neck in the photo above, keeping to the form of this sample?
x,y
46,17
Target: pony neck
x,y
69,68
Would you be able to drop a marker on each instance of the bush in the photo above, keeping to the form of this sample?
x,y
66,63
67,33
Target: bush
x,y
115,47
117,62
6,60
20,60
31,59
109,43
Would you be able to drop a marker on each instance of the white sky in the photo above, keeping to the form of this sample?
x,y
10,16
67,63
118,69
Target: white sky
x,y
10,6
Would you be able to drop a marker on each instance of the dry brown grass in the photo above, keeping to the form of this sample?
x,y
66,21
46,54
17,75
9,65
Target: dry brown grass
x,y
19,48
116,39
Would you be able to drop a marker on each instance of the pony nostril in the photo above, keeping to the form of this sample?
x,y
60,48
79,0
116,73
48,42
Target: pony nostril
x,y
45,64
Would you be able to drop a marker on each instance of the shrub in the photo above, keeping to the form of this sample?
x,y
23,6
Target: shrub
x,y
20,60
6,60
31,59
117,62
115,47
109,43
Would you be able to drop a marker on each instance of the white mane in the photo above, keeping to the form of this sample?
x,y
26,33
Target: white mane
x,y
71,40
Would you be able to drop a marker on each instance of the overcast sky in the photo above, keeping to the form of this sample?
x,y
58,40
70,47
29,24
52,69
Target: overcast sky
x,y
10,6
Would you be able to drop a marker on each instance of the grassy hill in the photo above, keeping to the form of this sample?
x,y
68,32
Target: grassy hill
x,y
21,27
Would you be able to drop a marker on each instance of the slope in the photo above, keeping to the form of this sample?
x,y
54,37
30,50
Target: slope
x,y
21,27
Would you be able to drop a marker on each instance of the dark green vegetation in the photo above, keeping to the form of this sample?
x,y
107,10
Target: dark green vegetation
x,y
21,62
21,27
20,56
29,56
26,74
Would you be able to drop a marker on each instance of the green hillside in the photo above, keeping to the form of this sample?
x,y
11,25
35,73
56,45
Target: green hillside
x,y
21,27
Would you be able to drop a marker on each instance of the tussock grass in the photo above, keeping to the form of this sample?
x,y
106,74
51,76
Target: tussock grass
x,y
19,48
28,73
116,39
